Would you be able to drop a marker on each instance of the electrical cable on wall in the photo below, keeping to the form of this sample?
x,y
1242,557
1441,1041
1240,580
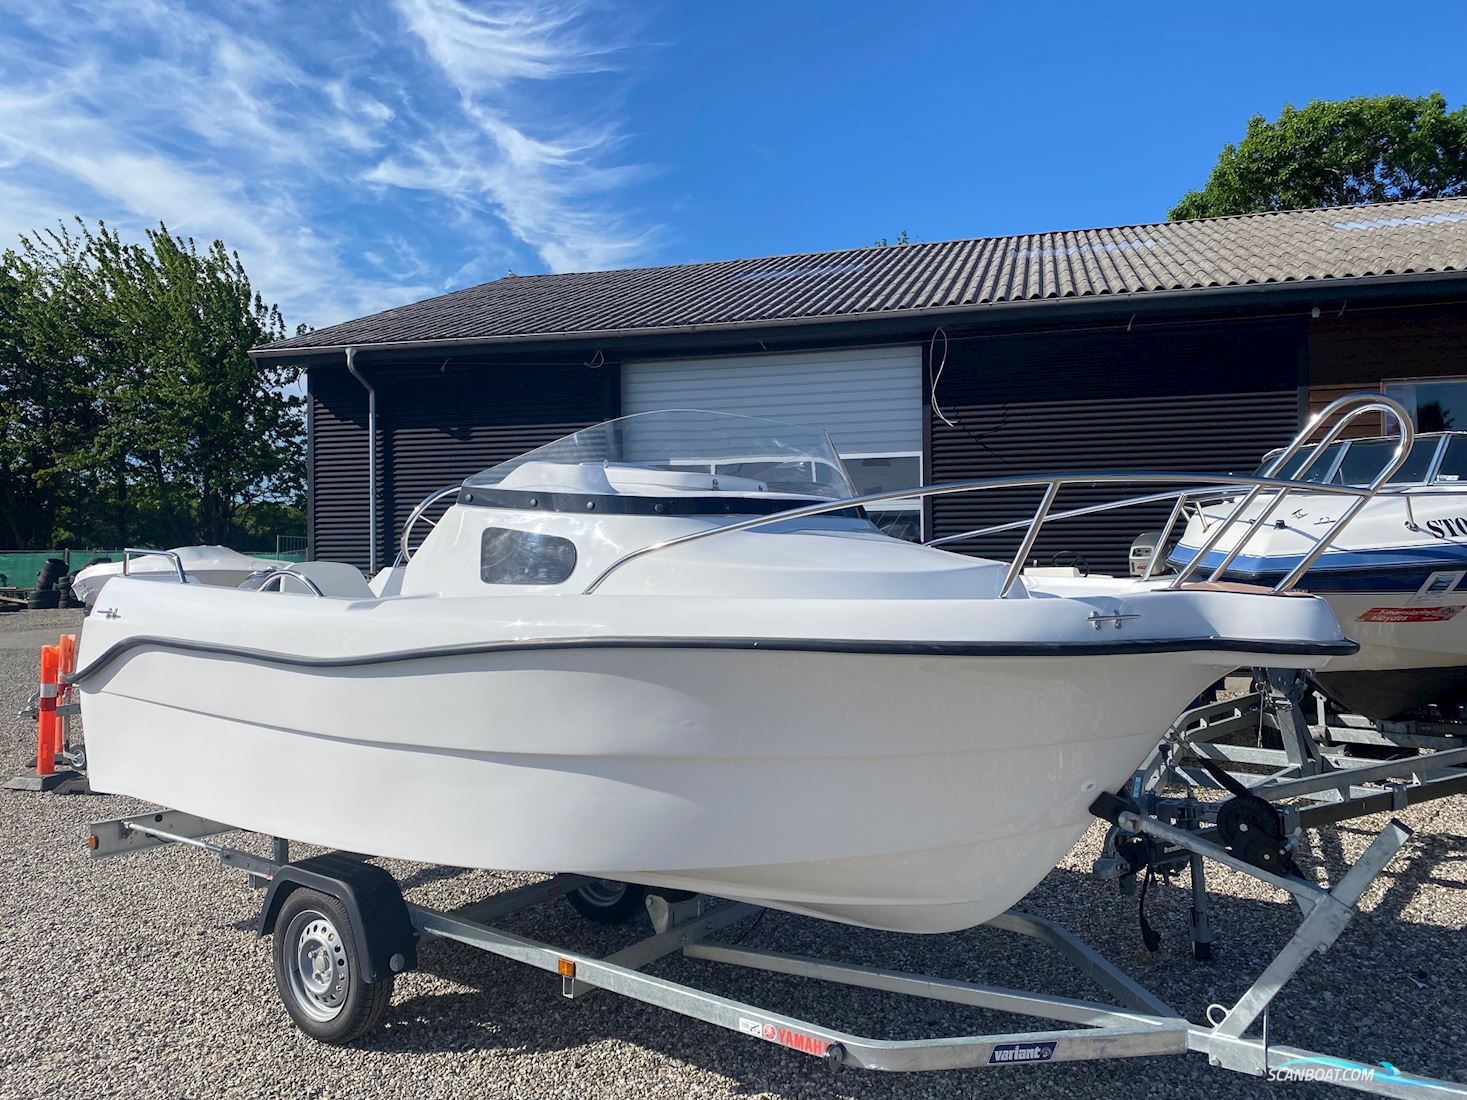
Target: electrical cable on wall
x,y
937,373
958,425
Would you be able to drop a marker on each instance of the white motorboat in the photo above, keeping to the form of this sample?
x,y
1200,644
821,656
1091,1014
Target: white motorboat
x,y
214,565
1396,575
670,650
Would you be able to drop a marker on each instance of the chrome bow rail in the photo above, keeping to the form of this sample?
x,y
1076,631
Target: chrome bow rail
x,y
140,552
1347,408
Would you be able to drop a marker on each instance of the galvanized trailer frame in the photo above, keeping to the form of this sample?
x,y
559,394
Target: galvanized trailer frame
x,y
1135,1024
1308,780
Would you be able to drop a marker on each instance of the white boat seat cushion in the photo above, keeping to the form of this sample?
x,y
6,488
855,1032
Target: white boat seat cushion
x,y
333,578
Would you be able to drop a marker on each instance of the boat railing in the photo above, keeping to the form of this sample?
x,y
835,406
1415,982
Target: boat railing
x,y
1194,486
276,577
142,552
1344,411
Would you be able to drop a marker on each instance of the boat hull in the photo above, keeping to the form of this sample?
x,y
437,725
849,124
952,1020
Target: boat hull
x,y
1413,651
800,780
913,785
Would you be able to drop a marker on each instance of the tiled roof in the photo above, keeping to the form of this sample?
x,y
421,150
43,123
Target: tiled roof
x,y
1426,236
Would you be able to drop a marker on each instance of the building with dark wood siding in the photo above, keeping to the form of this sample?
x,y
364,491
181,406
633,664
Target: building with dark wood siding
x,y
1184,345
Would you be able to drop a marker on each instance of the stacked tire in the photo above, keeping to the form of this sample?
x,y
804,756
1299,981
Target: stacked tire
x,y
46,595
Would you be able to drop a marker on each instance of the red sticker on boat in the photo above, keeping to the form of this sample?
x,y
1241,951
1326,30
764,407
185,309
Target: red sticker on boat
x,y
1408,614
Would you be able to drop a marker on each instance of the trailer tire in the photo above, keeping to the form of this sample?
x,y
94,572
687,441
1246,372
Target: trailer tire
x,y
606,901
319,973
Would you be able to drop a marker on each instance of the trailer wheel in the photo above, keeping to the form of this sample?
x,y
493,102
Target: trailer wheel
x,y
319,974
607,901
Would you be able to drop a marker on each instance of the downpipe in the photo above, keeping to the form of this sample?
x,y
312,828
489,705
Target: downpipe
x,y
351,366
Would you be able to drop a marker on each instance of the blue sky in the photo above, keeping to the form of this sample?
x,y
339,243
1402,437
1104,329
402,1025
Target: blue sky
x,y
367,154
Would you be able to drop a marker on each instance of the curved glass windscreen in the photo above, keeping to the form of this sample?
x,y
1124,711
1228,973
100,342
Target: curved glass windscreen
x,y
681,452
1358,462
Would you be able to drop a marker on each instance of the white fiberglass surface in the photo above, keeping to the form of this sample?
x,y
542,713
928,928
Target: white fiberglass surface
x,y
681,451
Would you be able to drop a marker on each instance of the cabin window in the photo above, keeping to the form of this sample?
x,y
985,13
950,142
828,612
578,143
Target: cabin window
x,y
507,556
1365,459
1454,462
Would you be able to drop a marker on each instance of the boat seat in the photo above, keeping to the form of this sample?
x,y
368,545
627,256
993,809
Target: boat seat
x,y
333,578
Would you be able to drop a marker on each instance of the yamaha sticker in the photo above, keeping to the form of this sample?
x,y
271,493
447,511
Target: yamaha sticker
x,y
785,1037
1012,1054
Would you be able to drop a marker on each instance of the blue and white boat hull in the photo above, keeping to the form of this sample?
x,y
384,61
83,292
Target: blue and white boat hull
x,y
1396,580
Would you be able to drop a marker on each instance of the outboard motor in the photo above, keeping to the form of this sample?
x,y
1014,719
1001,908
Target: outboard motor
x,y
1143,547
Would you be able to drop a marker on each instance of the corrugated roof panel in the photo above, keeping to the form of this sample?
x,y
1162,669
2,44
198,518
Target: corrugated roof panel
x,y
1429,235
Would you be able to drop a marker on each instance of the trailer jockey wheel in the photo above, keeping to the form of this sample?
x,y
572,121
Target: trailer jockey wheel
x,y
607,901
320,976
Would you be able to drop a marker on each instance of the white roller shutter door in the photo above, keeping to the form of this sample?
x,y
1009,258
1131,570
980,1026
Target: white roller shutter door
x,y
868,399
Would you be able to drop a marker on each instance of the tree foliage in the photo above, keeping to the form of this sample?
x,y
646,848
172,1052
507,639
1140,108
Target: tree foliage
x,y
129,410
1338,153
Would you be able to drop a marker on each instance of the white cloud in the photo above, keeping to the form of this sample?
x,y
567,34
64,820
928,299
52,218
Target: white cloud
x,y
486,47
548,189
350,172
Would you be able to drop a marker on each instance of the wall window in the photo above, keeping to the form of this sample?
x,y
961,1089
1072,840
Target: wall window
x,y
1435,404
507,556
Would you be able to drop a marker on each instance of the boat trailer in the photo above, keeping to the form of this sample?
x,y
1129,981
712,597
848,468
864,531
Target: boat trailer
x,y
1307,767
342,931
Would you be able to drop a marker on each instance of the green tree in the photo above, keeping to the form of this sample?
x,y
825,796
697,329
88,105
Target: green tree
x,y
51,334
131,410
222,431
1338,153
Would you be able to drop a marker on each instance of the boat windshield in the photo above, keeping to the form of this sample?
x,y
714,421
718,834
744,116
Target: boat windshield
x,y
1317,471
1357,462
681,452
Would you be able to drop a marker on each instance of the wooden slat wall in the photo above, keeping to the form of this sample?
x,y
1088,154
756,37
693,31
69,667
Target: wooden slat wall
x,y
1360,349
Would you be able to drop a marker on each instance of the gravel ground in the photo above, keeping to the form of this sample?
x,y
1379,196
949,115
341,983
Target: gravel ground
x,y
141,975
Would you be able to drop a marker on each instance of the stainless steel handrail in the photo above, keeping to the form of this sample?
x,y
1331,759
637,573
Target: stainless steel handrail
x,y
277,577
1088,510
142,552
404,552
1348,408
1051,484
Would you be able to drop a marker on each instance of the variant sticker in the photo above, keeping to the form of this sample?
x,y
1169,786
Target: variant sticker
x,y
1008,1054
1407,614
